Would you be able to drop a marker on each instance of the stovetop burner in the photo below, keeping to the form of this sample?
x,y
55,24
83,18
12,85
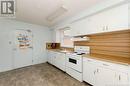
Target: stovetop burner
x,y
80,50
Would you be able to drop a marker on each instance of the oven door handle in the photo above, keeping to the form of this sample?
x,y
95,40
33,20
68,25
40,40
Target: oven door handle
x,y
74,61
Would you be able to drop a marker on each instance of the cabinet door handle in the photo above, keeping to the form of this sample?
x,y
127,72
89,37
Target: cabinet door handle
x,y
14,49
119,77
105,64
89,60
106,27
94,72
97,70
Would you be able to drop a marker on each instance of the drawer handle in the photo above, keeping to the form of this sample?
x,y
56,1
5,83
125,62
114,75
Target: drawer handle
x,y
119,77
105,65
94,72
89,60
97,70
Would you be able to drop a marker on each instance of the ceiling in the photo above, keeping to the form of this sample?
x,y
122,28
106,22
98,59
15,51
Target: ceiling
x,y
37,11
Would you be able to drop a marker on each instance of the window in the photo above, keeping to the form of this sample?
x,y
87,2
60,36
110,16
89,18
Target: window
x,y
65,38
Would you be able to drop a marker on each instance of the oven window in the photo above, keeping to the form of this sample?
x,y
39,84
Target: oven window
x,y
73,61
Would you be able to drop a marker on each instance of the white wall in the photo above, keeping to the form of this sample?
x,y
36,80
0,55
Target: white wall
x,y
41,36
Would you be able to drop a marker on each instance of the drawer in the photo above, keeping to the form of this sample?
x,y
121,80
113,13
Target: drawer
x,y
91,61
112,66
75,74
116,67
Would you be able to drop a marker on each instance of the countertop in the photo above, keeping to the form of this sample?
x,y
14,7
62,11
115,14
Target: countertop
x,y
113,59
60,50
107,58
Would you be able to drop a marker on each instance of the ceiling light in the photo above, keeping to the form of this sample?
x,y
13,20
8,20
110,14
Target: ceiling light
x,y
59,12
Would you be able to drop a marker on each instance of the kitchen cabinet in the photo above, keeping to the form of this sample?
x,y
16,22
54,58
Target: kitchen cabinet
x,y
122,79
116,18
113,19
98,73
96,24
79,27
57,59
105,77
89,71
50,57
60,61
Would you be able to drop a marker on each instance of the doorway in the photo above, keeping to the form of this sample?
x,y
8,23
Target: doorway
x,y
23,48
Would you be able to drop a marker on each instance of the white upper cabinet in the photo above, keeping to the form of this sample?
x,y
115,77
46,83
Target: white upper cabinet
x,y
110,20
96,24
79,27
117,18
113,19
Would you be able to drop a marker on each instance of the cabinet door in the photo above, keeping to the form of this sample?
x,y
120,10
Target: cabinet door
x,y
96,24
89,71
117,18
74,29
123,79
59,61
79,27
51,57
55,59
105,77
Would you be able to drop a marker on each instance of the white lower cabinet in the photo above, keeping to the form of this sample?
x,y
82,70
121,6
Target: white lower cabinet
x,y
60,61
105,77
50,57
57,59
89,71
122,79
97,73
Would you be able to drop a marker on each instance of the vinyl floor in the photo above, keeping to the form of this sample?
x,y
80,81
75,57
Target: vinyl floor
x,y
38,75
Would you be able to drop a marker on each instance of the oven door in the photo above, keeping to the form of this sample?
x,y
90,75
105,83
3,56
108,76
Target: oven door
x,y
74,62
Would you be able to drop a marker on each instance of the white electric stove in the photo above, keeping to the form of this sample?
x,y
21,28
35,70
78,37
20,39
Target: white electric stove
x,y
74,62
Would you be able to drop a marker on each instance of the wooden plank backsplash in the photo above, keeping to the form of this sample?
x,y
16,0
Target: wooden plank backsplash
x,y
112,43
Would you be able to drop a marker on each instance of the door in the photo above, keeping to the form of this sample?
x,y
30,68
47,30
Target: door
x,y
22,48
6,62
